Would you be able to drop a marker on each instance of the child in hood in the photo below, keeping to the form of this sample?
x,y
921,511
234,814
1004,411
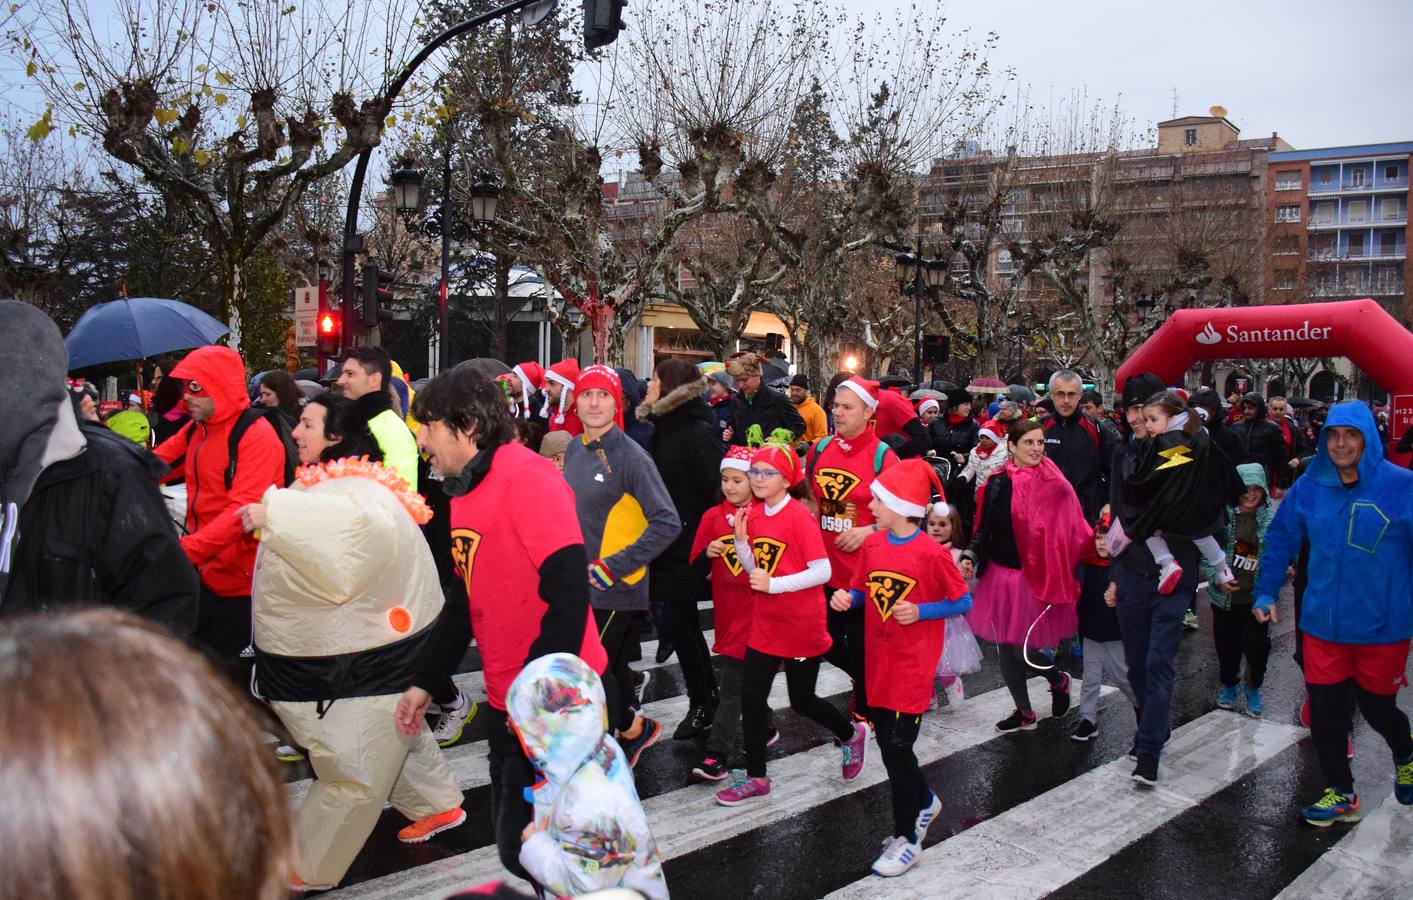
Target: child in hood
x,y
589,831
1236,632
987,457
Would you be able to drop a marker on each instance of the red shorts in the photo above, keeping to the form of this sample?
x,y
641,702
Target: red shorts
x,y
1377,668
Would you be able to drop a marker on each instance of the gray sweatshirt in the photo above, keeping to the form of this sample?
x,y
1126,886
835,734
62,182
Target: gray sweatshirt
x,y
624,511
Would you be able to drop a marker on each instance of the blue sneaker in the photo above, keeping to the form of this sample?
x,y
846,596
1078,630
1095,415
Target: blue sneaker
x,y
1403,781
1077,648
1048,653
1226,697
1254,707
1332,807
934,806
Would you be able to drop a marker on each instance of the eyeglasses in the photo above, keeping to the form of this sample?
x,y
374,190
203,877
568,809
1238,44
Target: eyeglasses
x,y
762,473
194,388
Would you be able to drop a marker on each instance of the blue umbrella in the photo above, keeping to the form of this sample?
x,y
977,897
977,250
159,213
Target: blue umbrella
x,y
139,328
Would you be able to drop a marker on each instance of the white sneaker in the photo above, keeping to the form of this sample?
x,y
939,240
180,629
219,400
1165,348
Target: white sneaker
x,y
899,855
289,753
956,693
451,721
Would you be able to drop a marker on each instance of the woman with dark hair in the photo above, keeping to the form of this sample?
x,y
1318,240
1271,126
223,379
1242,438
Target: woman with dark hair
x,y
206,818
838,379
169,413
278,391
331,427
1030,536
687,450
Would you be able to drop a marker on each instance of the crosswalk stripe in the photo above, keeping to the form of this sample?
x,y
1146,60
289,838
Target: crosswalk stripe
x,y
1370,861
799,782
1035,847
469,764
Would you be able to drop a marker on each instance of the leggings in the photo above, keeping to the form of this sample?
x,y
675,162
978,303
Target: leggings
x,y
1331,717
1237,634
896,733
758,673
615,629
846,630
680,589
1016,671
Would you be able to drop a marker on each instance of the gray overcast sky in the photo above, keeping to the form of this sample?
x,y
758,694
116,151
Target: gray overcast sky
x,y
1321,73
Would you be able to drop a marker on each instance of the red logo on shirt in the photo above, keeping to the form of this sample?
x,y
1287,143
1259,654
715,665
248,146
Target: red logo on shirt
x,y
885,589
464,542
728,556
768,553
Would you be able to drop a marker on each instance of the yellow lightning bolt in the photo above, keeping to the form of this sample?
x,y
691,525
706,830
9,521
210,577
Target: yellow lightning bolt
x,y
1175,457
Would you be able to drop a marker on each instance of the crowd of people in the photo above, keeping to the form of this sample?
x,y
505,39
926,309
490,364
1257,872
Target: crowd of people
x,y
339,551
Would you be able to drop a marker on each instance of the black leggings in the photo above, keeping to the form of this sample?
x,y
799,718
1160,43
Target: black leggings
x,y
615,628
679,589
846,630
1015,671
1236,633
896,733
1331,717
757,675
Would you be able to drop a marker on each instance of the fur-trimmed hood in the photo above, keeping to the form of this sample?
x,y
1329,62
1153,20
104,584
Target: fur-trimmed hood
x,y
674,399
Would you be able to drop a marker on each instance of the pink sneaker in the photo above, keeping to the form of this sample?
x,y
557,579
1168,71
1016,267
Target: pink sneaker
x,y
855,749
1168,578
743,789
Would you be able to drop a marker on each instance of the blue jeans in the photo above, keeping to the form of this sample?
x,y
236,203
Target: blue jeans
x,y
1151,627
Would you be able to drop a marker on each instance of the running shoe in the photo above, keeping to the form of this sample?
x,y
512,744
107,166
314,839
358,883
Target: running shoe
x,y
1255,708
422,830
1226,697
696,723
1060,696
1169,577
451,721
634,747
1403,781
641,679
925,817
298,885
289,753
1076,648
1048,653
1189,620
1017,721
743,789
1332,807
711,768
1146,772
899,855
854,751
1085,731
956,692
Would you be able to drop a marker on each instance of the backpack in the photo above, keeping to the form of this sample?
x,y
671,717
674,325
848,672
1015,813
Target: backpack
x,y
248,418
879,453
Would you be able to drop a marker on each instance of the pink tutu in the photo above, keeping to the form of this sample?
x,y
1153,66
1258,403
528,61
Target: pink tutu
x,y
1003,609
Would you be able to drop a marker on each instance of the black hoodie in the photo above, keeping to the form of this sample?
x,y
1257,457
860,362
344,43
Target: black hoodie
x,y
1265,443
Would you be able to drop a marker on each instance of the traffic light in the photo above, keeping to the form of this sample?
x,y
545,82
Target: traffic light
x,y
936,348
603,19
377,294
328,333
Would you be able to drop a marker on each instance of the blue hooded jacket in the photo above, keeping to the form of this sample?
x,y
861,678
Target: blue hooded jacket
x,y
1361,542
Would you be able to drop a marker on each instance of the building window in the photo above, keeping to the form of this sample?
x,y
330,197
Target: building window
x,y
1287,245
1287,181
1290,213
1327,176
1358,211
1387,281
1356,178
1322,245
1388,244
1189,137
1324,214
1391,173
1355,247
1285,280
1388,209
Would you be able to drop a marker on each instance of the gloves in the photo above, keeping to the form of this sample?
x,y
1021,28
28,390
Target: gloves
x,y
599,575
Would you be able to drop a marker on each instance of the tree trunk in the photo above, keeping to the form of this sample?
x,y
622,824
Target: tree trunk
x,y
234,291
601,320
987,363
500,309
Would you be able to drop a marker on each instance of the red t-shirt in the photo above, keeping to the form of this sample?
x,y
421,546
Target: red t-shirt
x,y
892,414
571,421
900,661
841,491
790,624
731,594
520,514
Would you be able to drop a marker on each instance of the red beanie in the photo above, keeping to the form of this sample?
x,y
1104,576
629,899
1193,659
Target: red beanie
x,y
602,378
738,458
781,458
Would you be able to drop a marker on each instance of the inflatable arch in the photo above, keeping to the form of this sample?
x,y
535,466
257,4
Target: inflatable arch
x,y
1358,329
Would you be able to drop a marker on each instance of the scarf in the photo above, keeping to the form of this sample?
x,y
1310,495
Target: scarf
x,y
1052,535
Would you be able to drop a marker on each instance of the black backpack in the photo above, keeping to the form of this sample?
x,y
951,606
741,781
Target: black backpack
x,y
248,418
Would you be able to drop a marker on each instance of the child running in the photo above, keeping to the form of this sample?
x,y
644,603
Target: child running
x,y
779,545
944,525
908,585
714,547
1174,488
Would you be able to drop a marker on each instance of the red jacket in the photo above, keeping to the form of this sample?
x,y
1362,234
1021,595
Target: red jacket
x,y
215,543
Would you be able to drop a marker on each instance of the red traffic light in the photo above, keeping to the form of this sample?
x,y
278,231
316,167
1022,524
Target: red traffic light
x,y
327,324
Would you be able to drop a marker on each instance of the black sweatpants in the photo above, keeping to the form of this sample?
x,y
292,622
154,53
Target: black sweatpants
x,y
846,630
1236,633
615,632
679,589
223,633
1332,716
511,774
896,733
1015,671
757,674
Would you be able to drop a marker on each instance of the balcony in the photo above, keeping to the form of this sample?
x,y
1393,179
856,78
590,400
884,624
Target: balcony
x,y
1367,222
1335,188
1396,254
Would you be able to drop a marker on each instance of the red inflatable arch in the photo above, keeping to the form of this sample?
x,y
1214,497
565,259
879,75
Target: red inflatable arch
x,y
1358,329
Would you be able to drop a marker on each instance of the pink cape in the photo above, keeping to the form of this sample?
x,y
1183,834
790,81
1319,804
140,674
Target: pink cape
x,y
1052,535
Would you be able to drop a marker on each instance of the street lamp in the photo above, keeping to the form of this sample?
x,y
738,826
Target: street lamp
x,y
917,275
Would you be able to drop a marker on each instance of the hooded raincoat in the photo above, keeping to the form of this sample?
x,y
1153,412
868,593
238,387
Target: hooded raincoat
x,y
596,833
1360,588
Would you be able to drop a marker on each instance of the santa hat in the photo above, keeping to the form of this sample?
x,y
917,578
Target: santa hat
x,y
738,458
781,458
566,372
600,378
926,405
865,389
991,429
531,376
907,488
